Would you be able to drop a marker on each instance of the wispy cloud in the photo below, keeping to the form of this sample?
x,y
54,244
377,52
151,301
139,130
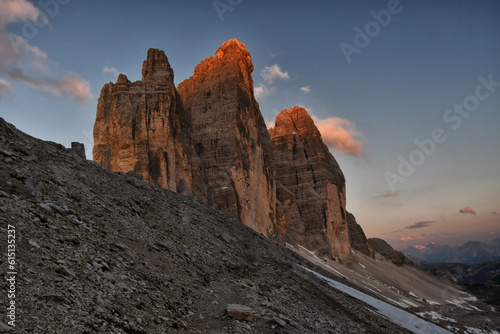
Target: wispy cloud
x,y
411,237
4,86
387,195
340,134
306,89
29,65
421,224
269,73
112,70
262,91
468,209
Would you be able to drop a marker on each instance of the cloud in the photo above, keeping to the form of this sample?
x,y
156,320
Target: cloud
x,y
111,70
4,86
387,194
411,237
468,209
17,10
306,89
340,134
269,73
421,224
29,65
262,91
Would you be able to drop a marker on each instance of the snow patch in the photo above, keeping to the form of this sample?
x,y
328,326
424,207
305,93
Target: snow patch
x,y
396,315
472,330
409,302
431,302
361,265
373,286
318,261
436,316
462,303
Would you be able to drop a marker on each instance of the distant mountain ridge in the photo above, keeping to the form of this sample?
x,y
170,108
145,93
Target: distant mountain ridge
x,y
469,253
479,273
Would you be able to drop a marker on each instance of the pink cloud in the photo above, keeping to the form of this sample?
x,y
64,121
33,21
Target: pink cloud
x,y
25,63
4,86
17,10
468,209
411,237
340,134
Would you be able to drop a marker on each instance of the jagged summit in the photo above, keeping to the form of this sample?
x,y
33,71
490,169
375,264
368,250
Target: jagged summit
x,y
294,120
142,127
232,64
156,67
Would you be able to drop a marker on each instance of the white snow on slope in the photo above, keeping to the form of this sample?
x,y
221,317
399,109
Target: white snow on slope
x,y
398,316
435,316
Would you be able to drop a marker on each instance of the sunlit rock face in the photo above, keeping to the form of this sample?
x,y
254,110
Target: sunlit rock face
x,y
310,187
208,139
142,127
231,138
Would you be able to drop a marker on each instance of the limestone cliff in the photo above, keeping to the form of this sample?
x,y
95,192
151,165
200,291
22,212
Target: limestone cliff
x,y
310,187
231,138
357,237
142,127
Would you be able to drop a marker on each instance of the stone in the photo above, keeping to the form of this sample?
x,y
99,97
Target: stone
x,y
55,207
310,187
227,238
231,137
63,270
78,149
279,321
142,127
239,312
34,243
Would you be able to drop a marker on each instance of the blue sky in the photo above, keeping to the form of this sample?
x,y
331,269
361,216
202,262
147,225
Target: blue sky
x,y
396,89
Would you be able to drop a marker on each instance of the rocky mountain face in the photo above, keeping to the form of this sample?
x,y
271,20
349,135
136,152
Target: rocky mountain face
x,y
311,187
357,236
383,248
231,138
142,127
208,139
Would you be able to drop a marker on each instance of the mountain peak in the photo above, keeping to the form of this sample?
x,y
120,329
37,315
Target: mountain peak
x,y
295,120
232,45
156,66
